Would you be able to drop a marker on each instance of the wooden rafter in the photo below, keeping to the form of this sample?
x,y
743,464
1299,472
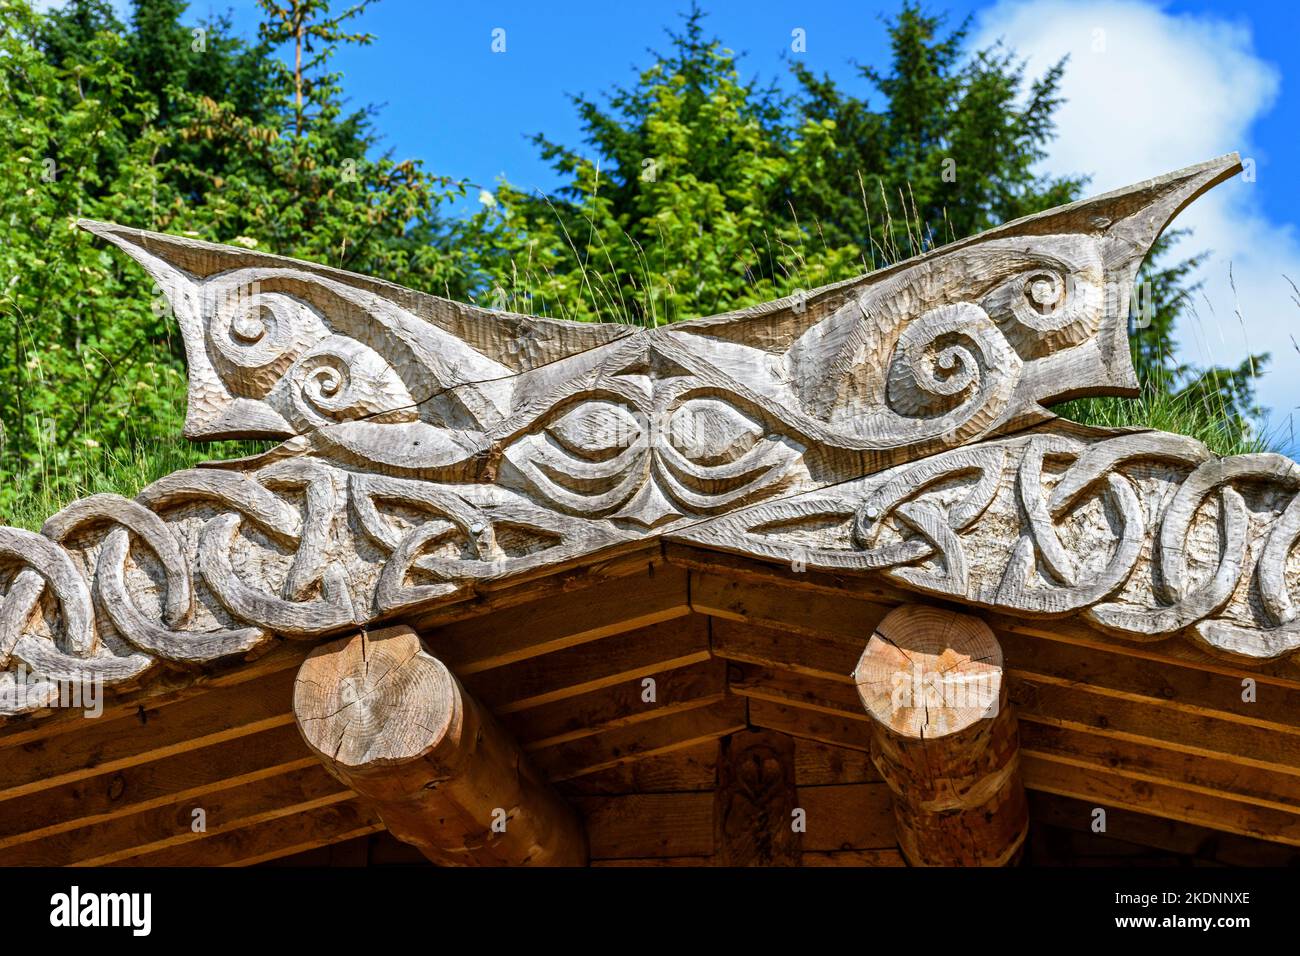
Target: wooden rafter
x,y
390,721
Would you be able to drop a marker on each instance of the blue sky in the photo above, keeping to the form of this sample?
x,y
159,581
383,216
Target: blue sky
x,y
1151,87
449,100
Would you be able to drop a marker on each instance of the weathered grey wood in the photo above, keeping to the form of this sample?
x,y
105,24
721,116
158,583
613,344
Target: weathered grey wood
x,y
435,450
1146,535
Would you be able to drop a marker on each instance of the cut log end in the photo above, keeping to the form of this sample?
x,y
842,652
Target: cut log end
x,y
944,737
928,673
393,723
374,700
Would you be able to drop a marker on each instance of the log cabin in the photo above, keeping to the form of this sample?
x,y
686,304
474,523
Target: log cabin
x,y
822,582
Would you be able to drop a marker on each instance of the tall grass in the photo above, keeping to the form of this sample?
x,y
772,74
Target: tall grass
x,y
1220,431
123,469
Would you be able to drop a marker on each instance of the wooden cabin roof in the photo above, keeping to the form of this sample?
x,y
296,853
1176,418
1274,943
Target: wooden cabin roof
x,y
1158,735
635,577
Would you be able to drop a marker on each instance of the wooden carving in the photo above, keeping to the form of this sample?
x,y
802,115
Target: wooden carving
x,y
1143,534
431,447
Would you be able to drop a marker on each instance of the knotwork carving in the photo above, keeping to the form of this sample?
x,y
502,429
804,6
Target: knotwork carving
x,y
1147,534
275,553
433,449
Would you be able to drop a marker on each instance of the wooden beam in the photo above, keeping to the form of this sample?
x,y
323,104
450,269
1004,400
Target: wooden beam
x,y
1168,800
694,768
1174,836
233,807
183,777
1153,763
268,840
394,724
828,728
676,690
562,620
149,735
944,737
566,673
650,826
619,745
1089,708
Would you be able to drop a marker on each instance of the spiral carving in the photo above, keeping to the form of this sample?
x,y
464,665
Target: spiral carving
x,y
340,379
1051,302
255,335
951,369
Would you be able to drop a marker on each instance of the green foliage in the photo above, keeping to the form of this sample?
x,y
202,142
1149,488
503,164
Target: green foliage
x,y
693,192
697,193
949,153
669,213
203,135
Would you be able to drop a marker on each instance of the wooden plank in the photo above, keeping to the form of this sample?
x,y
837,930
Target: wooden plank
x,y
818,764
560,621
811,724
268,840
167,688
1083,708
777,577
1172,685
226,809
1284,672
634,742
642,652
812,613
855,816
649,825
1161,800
770,573
825,656
692,768
582,574
681,688
754,805
185,776
797,690
1145,831
854,858
1146,761
115,744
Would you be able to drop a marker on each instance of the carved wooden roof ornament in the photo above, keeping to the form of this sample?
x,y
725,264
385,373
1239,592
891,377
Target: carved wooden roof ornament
x,y
890,424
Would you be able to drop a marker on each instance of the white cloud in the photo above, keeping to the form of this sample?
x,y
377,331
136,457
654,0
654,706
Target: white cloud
x,y
1149,92
122,8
